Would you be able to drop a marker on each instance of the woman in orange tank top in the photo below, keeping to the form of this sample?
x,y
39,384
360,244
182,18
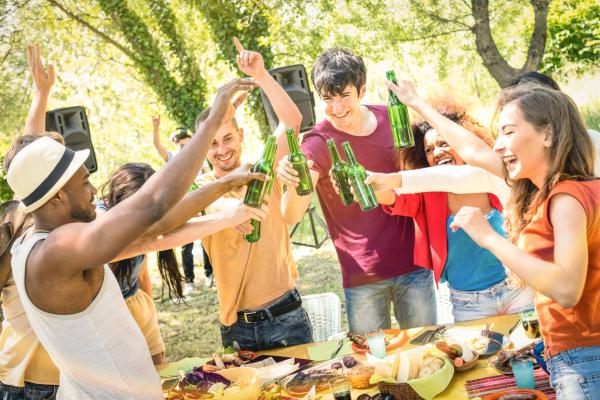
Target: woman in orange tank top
x,y
553,219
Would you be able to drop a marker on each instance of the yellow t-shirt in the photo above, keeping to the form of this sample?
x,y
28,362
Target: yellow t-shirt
x,y
250,275
22,356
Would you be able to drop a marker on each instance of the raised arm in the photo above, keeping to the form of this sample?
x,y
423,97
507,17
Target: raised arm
x,y
442,178
162,151
43,79
570,263
194,229
252,64
470,148
195,202
88,245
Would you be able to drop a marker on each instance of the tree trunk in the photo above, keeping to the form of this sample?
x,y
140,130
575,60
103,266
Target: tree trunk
x,y
495,63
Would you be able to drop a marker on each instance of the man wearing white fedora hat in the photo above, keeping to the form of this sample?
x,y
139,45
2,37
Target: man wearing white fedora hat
x,y
71,299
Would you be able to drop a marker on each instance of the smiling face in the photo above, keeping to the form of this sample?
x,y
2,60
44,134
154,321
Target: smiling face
x,y
438,151
80,194
343,109
226,149
524,148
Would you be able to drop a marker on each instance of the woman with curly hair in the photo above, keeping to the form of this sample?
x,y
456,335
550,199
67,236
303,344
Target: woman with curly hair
x,y
546,155
477,280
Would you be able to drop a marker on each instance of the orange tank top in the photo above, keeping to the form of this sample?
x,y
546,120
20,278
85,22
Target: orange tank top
x,y
579,326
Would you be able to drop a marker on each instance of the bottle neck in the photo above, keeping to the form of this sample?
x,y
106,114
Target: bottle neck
x,y
292,141
269,152
349,154
333,152
393,99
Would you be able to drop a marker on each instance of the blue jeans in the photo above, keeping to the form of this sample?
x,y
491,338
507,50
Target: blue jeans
x,y
413,296
575,373
284,330
496,300
31,391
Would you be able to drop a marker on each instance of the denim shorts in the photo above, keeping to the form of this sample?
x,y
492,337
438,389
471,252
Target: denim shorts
x,y
284,330
575,373
496,300
413,297
31,391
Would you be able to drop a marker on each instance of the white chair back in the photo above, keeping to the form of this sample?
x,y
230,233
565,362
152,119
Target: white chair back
x,y
325,314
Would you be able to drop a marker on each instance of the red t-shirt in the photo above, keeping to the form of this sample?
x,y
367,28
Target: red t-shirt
x,y
372,245
567,328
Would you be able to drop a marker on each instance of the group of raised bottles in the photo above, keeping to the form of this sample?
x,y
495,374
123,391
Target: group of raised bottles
x,y
349,175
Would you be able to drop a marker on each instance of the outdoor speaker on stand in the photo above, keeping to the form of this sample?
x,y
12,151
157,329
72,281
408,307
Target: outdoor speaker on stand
x,y
294,81
72,124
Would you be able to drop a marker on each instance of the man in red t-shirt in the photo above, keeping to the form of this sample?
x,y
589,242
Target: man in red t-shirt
x,y
375,249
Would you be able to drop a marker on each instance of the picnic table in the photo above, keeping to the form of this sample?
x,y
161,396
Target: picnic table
x,y
455,390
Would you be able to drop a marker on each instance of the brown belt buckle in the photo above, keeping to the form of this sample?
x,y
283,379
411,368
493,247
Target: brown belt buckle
x,y
246,316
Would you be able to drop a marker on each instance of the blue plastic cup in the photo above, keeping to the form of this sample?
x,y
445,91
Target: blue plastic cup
x,y
522,368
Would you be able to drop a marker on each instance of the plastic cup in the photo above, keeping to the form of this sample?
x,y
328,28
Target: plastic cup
x,y
522,368
376,342
340,388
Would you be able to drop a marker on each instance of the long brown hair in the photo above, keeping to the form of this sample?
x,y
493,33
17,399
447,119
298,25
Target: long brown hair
x,y
571,150
13,222
415,157
124,182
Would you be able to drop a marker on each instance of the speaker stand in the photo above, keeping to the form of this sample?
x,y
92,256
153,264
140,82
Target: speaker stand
x,y
314,219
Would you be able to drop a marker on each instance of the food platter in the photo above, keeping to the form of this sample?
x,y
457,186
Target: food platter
x,y
394,338
485,345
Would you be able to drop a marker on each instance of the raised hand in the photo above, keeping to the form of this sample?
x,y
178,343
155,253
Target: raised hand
x,y
156,122
286,173
244,214
242,175
383,182
223,108
250,62
43,78
474,223
405,91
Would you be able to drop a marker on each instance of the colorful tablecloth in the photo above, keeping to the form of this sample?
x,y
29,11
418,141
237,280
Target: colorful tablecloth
x,y
492,384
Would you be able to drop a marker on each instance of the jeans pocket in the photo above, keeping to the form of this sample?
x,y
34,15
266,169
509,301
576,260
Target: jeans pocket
x,y
293,317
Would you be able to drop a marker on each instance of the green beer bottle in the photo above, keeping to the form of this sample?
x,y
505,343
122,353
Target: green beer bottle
x,y
339,170
255,193
258,190
364,193
401,130
298,161
255,235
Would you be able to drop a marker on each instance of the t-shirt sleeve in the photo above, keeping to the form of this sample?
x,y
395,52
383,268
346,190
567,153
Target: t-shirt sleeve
x,y
314,148
406,205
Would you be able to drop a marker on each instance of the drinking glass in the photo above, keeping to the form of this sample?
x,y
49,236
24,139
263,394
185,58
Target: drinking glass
x,y
376,342
530,323
340,388
522,368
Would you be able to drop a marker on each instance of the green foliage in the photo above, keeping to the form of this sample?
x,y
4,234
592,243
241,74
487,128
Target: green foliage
x,y
573,36
6,192
184,100
249,21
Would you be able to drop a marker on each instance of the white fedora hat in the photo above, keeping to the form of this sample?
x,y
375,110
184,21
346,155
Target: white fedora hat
x,y
41,169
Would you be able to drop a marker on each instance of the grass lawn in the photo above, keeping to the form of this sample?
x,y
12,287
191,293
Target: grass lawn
x,y
192,329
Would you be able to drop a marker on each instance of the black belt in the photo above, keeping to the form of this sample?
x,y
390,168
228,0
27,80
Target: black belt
x,y
272,311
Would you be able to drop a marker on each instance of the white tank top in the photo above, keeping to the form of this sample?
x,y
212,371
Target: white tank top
x,y
100,352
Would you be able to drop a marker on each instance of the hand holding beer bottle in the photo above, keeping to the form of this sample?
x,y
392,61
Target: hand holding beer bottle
x,y
339,174
258,190
398,112
364,193
298,161
287,175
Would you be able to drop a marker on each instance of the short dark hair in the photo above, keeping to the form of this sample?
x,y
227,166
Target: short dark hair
x,y
179,133
203,116
535,77
335,69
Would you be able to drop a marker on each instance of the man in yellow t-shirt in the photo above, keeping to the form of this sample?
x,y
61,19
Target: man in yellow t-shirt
x,y
259,306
